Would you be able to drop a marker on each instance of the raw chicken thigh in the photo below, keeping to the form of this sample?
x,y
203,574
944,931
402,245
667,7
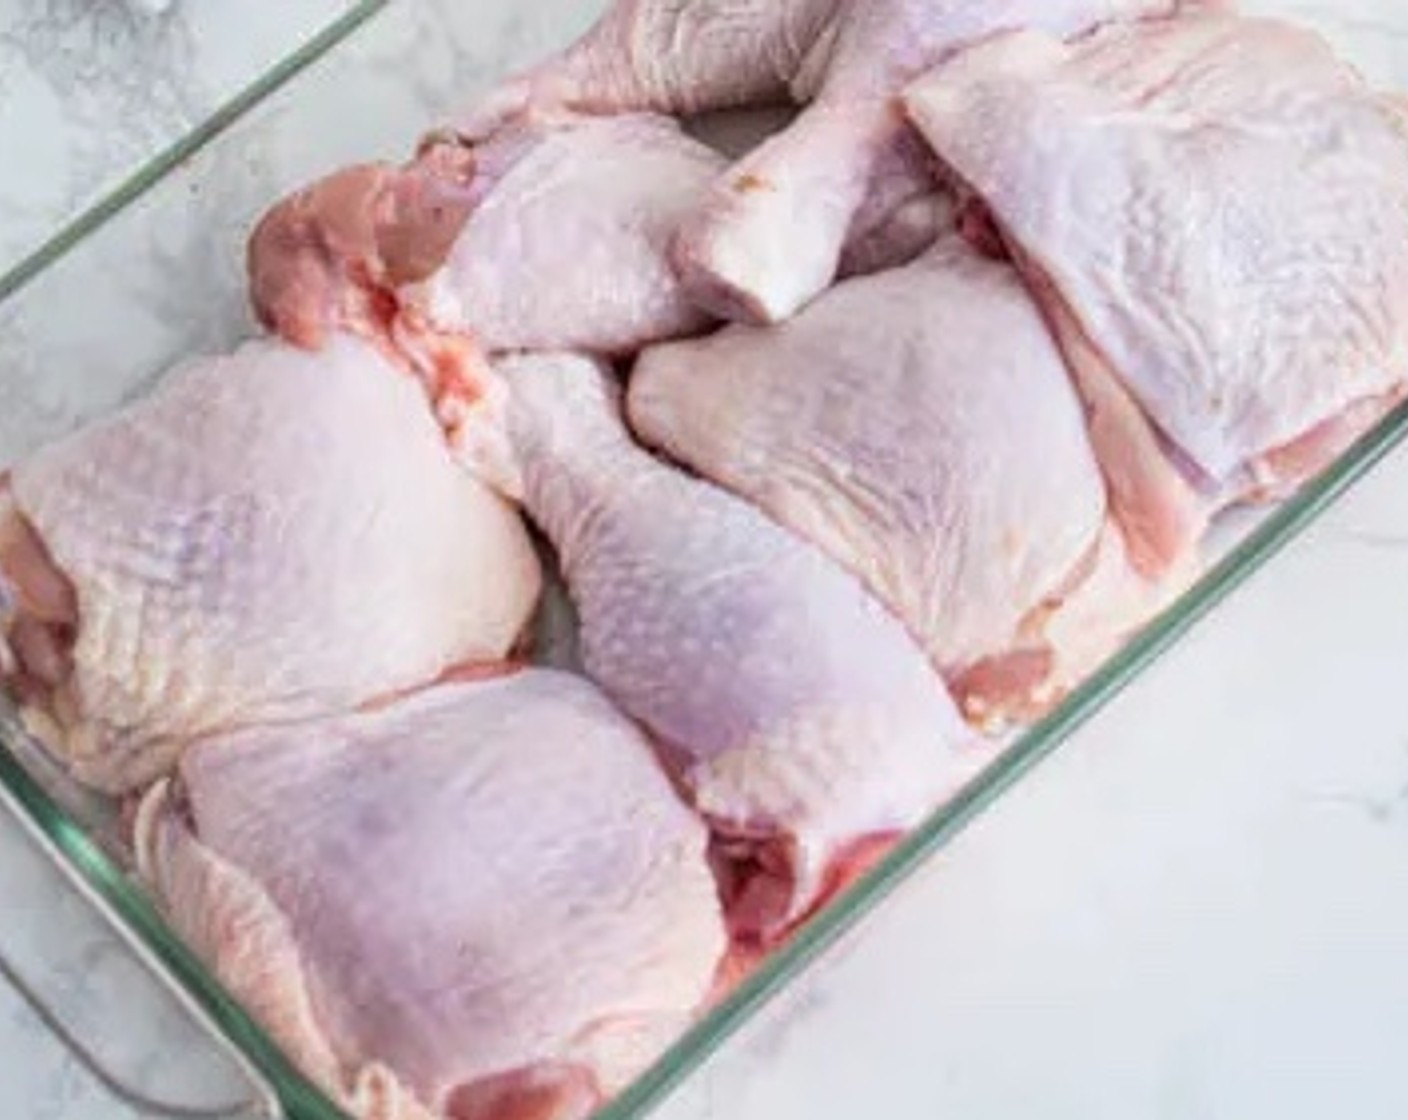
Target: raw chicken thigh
x,y
794,708
920,427
1027,294
551,234
272,535
773,233
1214,213
484,901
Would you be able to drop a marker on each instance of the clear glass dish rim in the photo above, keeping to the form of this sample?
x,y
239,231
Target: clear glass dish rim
x,y
128,906
71,234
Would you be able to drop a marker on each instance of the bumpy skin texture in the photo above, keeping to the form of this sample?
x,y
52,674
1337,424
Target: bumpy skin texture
x,y
570,247
796,710
920,427
1215,213
773,232
271,535
485,900
552,233
667,56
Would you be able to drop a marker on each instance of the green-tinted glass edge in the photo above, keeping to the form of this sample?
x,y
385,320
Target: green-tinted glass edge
x,y
153,171
1010,767
128,904
300,1100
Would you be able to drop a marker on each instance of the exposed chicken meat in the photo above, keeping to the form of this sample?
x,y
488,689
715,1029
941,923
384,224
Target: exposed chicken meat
x,y
551,234
483,901
795,709
920,427
272,535
1214,212
774,230
332,255
896,225
775,227
1026,294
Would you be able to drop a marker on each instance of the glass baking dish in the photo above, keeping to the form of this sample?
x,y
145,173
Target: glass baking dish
x,y
163,278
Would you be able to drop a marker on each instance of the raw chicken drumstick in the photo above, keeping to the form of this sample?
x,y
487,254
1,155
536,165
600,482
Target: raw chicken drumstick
x,y
920,427
794,709
772,234
1213,212
485,901
271,535
680,57
551,234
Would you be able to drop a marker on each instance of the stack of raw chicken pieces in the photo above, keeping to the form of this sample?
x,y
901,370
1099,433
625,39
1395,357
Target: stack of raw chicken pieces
x,y
1028,294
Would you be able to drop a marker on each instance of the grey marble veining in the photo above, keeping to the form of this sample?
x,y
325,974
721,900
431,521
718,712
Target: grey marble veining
x,y
95,986
165,279
92,89
162,281
1194,911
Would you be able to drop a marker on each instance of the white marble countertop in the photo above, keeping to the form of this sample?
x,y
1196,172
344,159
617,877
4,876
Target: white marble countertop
x,y
1196,909
90,90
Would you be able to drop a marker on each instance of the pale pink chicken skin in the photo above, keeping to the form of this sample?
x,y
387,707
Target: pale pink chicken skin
x,y
920,427
271,535
553,233
795,710
773,232
665,56
483,902
1214,213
